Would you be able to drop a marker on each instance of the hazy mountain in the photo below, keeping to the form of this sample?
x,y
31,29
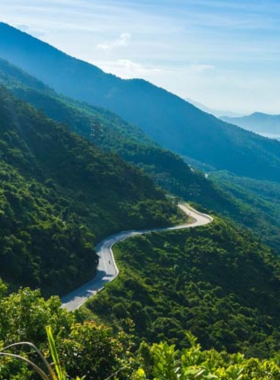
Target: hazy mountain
x,y
214,112
111,133
257,122
169,120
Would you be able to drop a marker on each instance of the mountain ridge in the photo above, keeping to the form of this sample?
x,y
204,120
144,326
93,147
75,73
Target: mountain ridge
x,y
59,196
258,122
166,118
215,112
111,133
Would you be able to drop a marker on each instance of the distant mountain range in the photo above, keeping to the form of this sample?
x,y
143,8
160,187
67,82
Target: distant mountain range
x,y
257,122
170,121
217,113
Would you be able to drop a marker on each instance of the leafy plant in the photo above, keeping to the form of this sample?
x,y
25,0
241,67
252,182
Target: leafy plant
x,y
58,373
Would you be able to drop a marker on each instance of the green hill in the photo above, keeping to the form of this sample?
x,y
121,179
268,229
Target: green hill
x,y
261,204
113,134
169,120
168,170
59,196
216,281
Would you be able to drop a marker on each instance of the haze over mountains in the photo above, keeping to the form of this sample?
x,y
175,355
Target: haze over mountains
x,y
214,112
169,120
257,122
73,173
259,156
113,134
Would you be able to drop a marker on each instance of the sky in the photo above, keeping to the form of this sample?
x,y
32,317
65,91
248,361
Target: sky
x,y
223,54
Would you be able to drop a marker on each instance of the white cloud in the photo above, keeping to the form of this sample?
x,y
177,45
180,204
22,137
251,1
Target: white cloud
x,y
199,68
122,41
30,30
128,69
213,51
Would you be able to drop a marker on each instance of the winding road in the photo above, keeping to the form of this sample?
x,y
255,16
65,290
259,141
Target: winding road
x,y
107,269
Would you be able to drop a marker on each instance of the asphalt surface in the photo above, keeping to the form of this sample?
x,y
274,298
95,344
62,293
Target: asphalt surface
x,y
107,269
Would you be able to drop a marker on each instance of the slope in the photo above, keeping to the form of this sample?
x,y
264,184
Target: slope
x,y
215,281
214,112
98,351
262,211
169,120
59,196
168,170
113,134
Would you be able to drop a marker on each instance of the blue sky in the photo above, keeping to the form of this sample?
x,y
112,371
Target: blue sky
x,y
225,54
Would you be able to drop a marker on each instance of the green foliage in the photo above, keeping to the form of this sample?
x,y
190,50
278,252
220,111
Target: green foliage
x,y
258,202
216,281
113,134
59,196
59,371
24,315
89,349
168,170
193,363
79,348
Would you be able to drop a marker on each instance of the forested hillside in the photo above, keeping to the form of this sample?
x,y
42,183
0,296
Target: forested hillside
x,y
59,196
262,210
168,170
215,281
113,134
169,120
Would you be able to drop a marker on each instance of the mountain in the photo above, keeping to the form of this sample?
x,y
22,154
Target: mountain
x,y
169,120
111,133
257,122
212,111
215,281
59,196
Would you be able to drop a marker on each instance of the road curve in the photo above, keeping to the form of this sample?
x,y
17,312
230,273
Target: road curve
x,y
107,269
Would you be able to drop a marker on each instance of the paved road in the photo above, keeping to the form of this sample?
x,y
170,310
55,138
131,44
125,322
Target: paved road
x,y
107,269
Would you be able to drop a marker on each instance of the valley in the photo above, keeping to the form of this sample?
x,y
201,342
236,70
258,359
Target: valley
x,y
160,114
93,245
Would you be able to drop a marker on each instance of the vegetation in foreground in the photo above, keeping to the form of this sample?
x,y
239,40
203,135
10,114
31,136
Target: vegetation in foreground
x,y
84,348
